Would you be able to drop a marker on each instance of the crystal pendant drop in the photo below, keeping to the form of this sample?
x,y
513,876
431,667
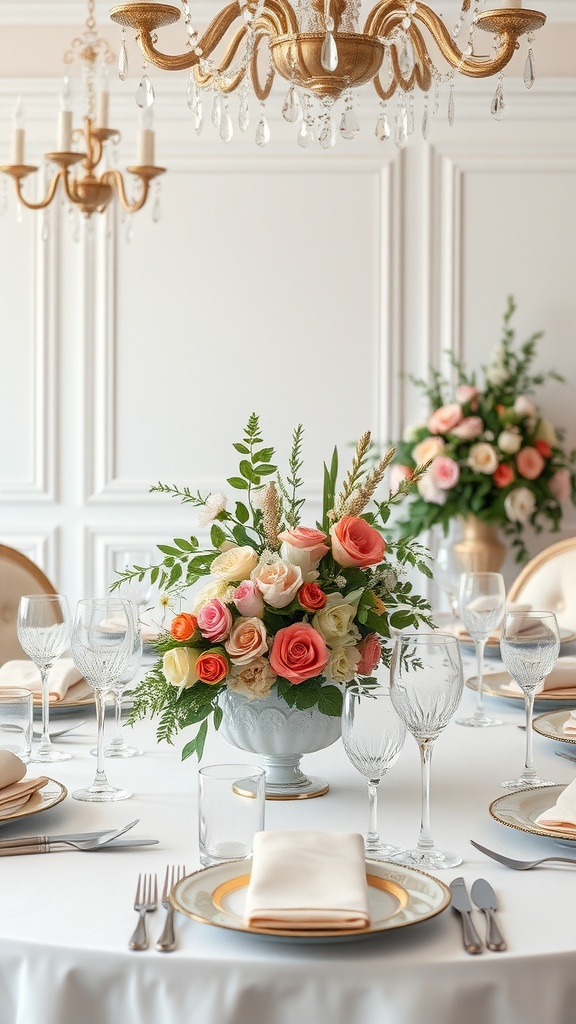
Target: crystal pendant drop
x,y
451,105
145,93
198,119
226,129
425,121
436,106
292,109
401,134
191,91
498,105
216,110
382,129
305,135
329,54
123,61
262,132
406,58
327,136
243,115
529,70
410,127
349,124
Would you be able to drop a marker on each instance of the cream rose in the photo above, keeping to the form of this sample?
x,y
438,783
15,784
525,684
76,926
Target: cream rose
x,y
236,564
482,458
179,666
219,589
428,449
519,505
253,680
428,490
342,664
247,640
509,442
524,407
335,621
277,581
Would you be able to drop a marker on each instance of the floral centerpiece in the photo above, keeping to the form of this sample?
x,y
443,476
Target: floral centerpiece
x,y
285,607
490,451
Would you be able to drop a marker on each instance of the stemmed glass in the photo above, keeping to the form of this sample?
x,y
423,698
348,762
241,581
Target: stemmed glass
x,y
529,647
118,746
373,736
44,634
102,657
482,601
426,685
135,590
448,569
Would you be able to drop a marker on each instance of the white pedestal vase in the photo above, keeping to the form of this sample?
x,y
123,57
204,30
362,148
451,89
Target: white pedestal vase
x,y
280,735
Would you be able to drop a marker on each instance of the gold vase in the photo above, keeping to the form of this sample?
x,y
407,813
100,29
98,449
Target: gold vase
x,y
480,549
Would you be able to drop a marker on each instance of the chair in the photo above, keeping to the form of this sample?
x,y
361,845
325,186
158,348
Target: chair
x,y
548,582
18,577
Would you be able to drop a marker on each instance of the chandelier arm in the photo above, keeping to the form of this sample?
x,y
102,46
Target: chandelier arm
x,y
43,203
207,43
115,179
278,17
206,78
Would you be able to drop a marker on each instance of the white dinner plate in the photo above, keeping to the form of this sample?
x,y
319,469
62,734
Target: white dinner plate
x,y
521,808
50,795
495,686
551,724
398,896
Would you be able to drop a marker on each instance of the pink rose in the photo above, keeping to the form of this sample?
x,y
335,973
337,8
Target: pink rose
x,y
298,653
469,428
247,640
398,473
444,419
277,581
303,546
445,472
370,649
355,543
529,463
248,599
214,620
560,484
465,395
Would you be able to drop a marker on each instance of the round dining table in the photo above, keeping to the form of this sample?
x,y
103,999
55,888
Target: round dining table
x,y
66,917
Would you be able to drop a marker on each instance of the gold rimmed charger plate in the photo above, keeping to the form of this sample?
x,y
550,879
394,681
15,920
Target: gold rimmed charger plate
x,y
520,809
398,896
495,685
551,725
50,795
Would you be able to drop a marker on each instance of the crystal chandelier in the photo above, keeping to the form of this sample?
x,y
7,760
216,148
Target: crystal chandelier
x,y
316,46
75,166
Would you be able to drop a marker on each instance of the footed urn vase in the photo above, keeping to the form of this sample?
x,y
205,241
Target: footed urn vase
x,y
280,735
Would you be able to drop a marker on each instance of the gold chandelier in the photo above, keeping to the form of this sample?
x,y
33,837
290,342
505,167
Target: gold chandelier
x,y
87,190
317,48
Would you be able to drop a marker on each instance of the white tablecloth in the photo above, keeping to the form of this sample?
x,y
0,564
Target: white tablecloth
x,y
65,918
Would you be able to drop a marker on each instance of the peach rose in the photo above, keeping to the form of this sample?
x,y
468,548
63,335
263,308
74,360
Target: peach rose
x,y
469,428
370,650
248,599
428,449
560,484
183,626
355,543
529,463
504,475
444,419
298,653
212,667
445,472
234,564
253,680
304,547
179,666
465,394
482,458
399,473
311,597
247,640
277,581
214,620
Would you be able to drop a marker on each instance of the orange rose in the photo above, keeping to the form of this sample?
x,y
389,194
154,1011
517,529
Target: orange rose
x,y
183,626
355,543
298,653
311,597
212,667
543,447
504,475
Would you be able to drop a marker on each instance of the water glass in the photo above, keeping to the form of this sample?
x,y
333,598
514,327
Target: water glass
x,y
44,634
118,746
529,646
482,601
373,736
231,800
16,721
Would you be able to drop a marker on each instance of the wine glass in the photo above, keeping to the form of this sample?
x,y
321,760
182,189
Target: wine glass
x,y
426,685
482,602
102,657
373,736
448,569
135,590
118,746
529,646
44,634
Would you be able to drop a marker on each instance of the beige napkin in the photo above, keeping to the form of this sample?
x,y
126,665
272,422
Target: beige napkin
x,y
148,633
308,881
13,792
64,680
570,723
563,814
561,682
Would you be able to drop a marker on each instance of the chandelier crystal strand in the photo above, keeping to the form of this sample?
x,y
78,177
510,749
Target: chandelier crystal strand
x,y
123,58
451,103
226,129
216,109
292,109
425,117
401,127
244,108
529,76
145,95
349,124
306,132
263,129
327,134
382,130
498,105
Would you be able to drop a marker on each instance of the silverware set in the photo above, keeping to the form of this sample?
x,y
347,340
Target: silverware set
x,y
146,901
83,841
485,899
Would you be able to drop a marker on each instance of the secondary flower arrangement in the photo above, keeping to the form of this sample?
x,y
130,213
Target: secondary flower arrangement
x,y
490,452
286,607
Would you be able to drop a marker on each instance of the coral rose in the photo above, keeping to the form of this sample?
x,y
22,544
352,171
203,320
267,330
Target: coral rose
x,y
560,484
234,564
183,626
355,543
529,463
247,640
212,667
469,428
370,650
519,505
543,447
277,581
304,547
504,475
253,680
248,599
445,472
298,653
482,458
444,419
179,666
311,597
336,621
214,620
428,449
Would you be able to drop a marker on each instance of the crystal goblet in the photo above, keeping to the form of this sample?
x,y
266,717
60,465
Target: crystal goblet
x,y
44,633
482,601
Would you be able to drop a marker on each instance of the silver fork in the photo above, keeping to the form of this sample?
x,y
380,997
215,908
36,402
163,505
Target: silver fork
x,y
521,865
569,757
167,941
145,901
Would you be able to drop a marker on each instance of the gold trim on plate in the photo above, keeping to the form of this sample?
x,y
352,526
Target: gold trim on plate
x,y
528,826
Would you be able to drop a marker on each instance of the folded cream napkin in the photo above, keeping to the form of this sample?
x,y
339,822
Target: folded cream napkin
x,y
561,681
64,680
570,723
563,814
148,633
13,792
308,881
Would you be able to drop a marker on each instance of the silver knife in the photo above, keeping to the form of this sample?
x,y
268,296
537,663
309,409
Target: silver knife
x,y
461,903
485,899
73,837
15,851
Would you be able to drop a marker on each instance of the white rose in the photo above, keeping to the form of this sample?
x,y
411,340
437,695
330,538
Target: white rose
x,y
482,458
509,442
524,407
430,492
235,564
335,621
546,432
179,666
342,664
218,588
519,505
